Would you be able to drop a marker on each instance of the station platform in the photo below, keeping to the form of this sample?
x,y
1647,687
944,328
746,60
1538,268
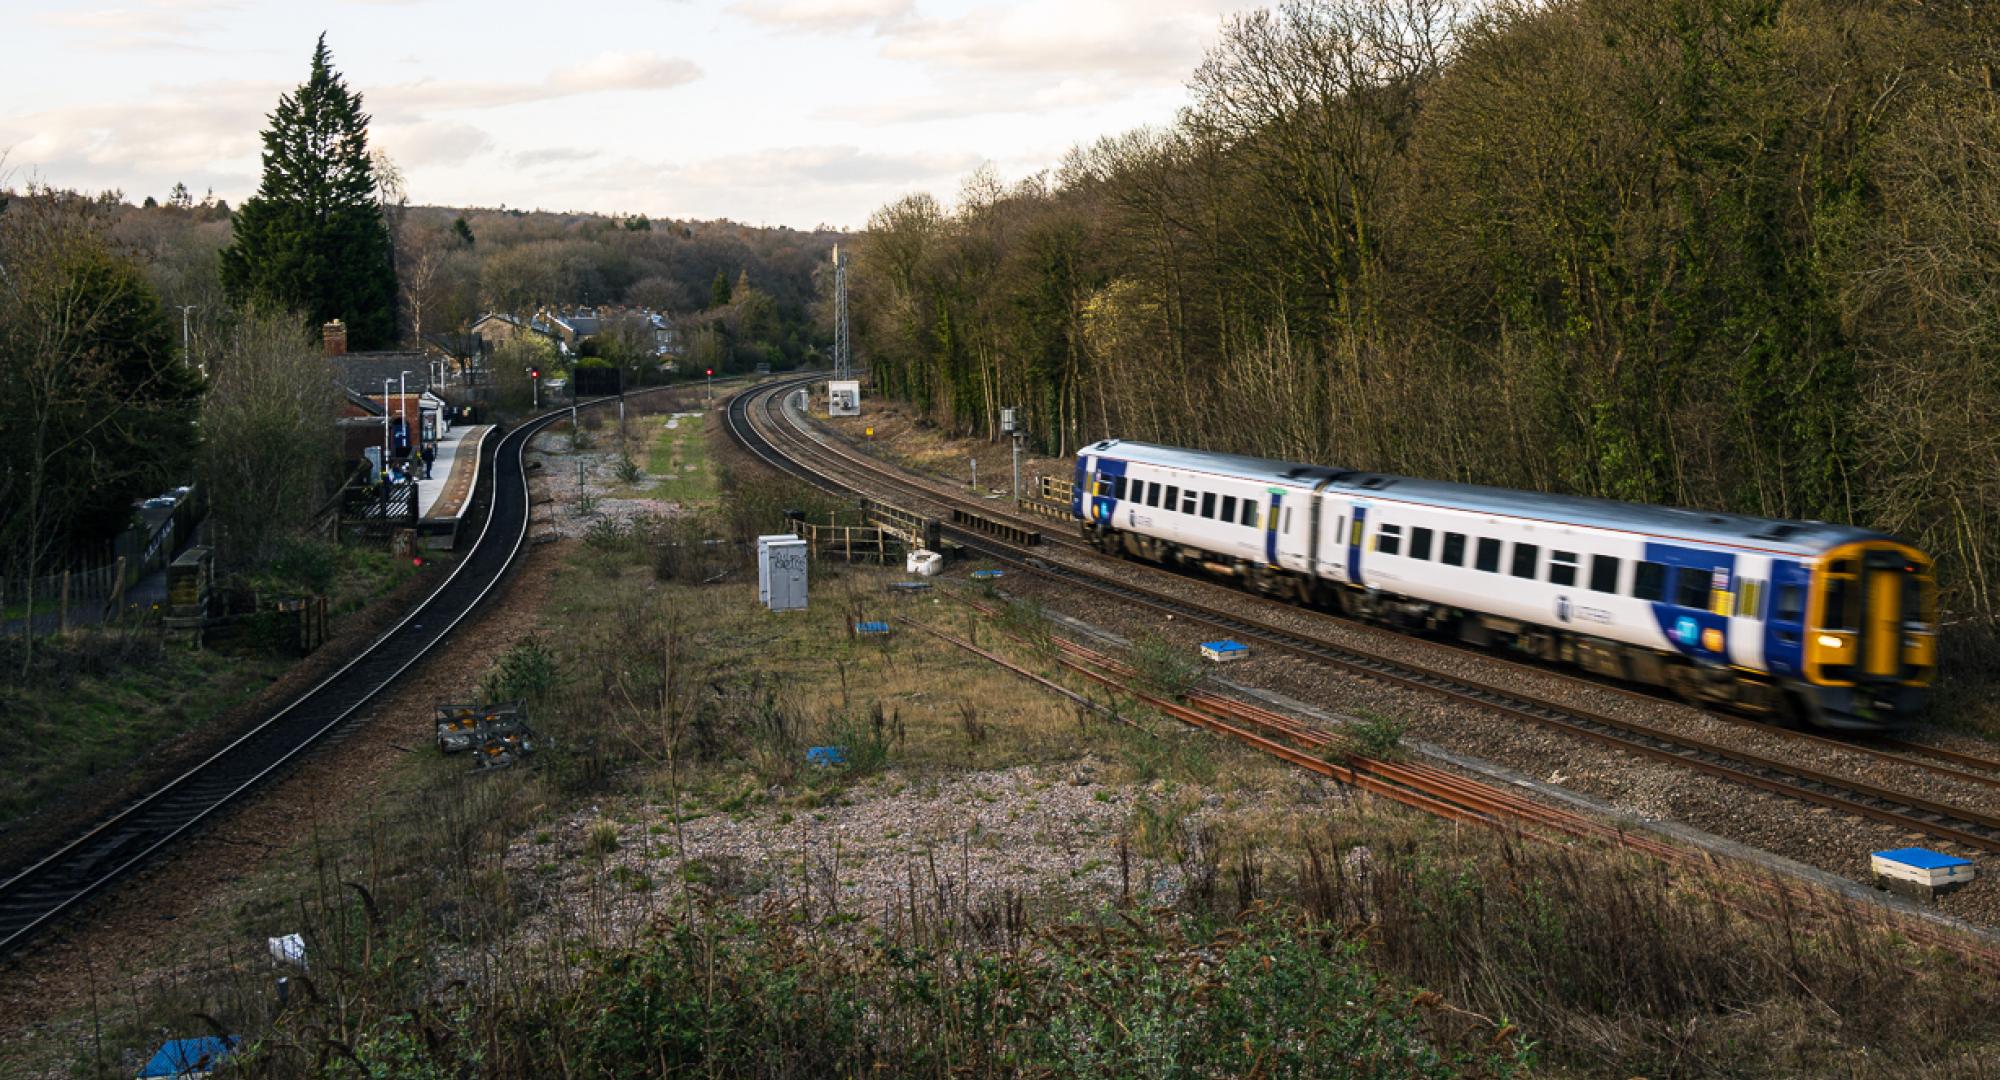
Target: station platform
x,y
443,499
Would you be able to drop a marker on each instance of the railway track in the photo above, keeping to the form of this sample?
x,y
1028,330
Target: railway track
x,y
1954,764
1452,796
36,897
762,419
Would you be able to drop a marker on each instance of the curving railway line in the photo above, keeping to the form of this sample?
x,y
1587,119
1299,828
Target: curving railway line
x,y
34,898
765,423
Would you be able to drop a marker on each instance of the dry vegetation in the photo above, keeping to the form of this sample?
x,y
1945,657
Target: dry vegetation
x,y
1706,253
992,883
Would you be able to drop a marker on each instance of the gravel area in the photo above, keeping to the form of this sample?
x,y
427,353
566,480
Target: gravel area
x,y
1836,842
948,847
1822,837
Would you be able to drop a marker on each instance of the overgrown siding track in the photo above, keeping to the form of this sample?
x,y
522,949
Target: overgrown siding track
x,y
34,898
821,463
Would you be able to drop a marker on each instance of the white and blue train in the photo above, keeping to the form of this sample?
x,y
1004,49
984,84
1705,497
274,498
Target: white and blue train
x,y
1832,624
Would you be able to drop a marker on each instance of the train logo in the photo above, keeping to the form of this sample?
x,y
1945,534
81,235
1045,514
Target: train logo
x,y
1687,630
1562,608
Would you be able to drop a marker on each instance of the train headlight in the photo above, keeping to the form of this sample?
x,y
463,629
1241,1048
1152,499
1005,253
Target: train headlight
x,y
1828,641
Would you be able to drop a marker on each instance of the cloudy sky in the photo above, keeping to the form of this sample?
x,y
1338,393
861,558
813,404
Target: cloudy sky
x,y
794,112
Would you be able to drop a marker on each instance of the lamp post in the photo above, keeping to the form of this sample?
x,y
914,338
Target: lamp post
x,y
1013,429
402,395
385,427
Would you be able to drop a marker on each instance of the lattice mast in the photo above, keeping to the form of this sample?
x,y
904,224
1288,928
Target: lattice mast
x,y
843,348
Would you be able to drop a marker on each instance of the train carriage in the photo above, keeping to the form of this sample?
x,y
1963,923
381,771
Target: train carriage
x,y
1832,623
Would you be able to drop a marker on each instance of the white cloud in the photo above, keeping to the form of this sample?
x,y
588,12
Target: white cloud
x,y
1122,38
444,142
608,71
826,16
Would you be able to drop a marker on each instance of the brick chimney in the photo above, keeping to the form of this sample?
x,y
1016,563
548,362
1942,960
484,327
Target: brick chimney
x,y
335,334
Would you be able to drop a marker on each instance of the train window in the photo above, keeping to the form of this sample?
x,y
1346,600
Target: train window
x,y
1155,491
1454,549
1118,487
1691,587
1191,504
1288,521
1250,512
1791,605
1525,558
1843,604
1173,498
1562,568
1488,558
1604,573
1420,543
1750,600
1208,504
1229,509
1389,539
1649,581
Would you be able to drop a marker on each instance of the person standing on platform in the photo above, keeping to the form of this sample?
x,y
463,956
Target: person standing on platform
x,y
430,458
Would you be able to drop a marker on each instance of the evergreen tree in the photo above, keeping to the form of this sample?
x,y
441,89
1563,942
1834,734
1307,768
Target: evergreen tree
x,y
463,231
718,293
312,239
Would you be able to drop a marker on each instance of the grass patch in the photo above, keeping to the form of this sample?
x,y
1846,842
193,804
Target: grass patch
x,y
678,459
95,703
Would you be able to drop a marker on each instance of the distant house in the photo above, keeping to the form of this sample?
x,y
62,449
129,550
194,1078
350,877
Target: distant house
x,y
497,328
570,329
462,351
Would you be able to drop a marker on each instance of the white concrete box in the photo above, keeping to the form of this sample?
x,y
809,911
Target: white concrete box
x,y
843,397
781,572
924,563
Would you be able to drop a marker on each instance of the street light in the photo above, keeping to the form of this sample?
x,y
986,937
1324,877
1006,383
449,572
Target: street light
x,y
402,395
385,427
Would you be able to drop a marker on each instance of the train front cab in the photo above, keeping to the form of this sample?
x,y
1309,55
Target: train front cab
x,y
1871,638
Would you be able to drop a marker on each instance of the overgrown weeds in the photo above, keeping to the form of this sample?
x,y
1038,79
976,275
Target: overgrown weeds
x,y
1163,667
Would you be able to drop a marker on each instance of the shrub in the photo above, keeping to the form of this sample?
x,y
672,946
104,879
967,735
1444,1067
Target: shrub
x,y
1376,735
527,672
1164,667
304,564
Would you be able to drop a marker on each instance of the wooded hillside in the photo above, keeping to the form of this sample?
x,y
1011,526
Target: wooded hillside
x,y
1738,254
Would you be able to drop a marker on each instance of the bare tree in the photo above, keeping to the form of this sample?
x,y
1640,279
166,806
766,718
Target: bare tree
x,y
270,448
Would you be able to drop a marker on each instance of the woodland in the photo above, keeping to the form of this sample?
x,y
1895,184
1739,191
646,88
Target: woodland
x,y
1724,254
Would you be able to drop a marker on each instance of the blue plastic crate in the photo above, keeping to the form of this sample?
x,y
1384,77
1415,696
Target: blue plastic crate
x,y
826,755
988,575
871,627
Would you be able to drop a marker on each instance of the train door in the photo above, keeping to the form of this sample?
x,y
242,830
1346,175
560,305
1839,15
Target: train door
x,y
1106,486
1356,529
1785,629
1271,516
1744,604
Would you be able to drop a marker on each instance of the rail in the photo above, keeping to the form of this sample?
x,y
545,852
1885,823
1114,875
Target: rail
x,y
60,881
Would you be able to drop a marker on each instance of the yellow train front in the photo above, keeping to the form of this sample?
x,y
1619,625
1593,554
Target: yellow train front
x,y
1870,647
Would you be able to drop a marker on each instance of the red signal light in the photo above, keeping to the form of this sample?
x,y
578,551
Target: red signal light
x,y
711,371
417,560
534,373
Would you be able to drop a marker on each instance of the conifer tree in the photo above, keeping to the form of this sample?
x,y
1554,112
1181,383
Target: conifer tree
x,y
312,239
